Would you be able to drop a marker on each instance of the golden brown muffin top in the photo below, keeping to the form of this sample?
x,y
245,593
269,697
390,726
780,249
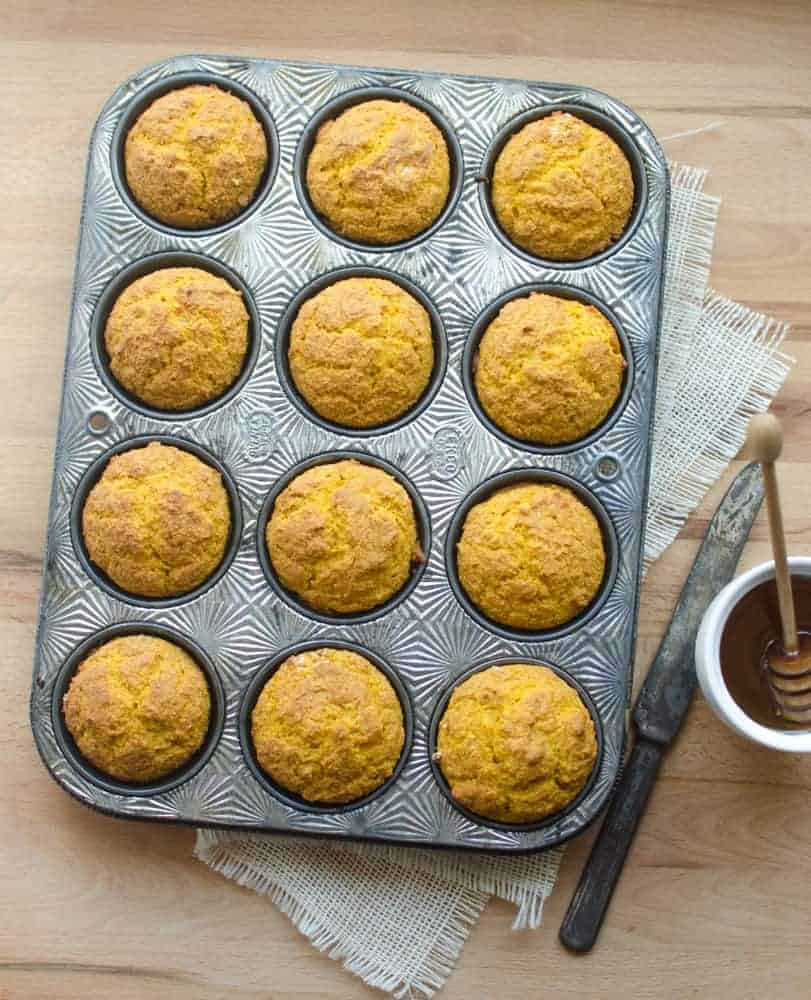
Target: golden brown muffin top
x,y
379,172
328,726
138,708
516,743
562,189
361,352
177,337
548,369
195,156
531,556
343,536
157,521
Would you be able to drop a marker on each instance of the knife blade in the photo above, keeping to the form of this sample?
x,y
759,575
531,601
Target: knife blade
x,y
661,706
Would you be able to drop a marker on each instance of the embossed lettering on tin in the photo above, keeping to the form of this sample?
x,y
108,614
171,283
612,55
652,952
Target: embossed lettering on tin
x,y
447,453
259,437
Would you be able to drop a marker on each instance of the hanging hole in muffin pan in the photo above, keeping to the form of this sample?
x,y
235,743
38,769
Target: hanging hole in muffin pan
x,y
471,350
421,516
282,348
92,475
433,729
67,744
334,108
513,478
598,120
256,687
176,81
148,265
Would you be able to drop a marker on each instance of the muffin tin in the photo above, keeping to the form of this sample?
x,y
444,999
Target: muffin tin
x,y
241,621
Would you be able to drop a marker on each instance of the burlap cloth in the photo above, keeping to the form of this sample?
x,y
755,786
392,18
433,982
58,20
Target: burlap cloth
x,y
398,917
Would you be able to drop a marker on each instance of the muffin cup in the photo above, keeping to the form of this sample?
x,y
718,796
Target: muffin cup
x,y
92,476
597,120
512,478
334,108
282,347
251,696
439,777
147,265
152,92
67,744
471,350
423,537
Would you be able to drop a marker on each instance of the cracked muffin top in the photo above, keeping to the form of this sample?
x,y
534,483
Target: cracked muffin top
x,y
548,370
328,726
195,156
531,556
343,536
177,337
515,743
361,351
138,708
379,172
157,521
562,189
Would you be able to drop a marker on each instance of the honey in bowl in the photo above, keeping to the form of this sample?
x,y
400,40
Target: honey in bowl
x,y
753,627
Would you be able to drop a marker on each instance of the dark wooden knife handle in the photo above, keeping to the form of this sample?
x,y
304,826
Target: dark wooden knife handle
x,y
583,919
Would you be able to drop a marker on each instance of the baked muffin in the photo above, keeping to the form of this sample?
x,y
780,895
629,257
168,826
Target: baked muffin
x,y
379,172
516,743
138,708
548,370
195,156
562,189
343,536
177,337
361,351
328,726
157,521
531,556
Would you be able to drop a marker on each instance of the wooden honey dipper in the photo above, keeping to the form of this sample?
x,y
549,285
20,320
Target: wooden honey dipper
x,y
786,663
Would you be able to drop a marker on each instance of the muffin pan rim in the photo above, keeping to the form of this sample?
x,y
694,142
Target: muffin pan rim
x,y
140,268
286,85
422,517
255,687
91,475
591,116
176,81
323,281
359,95
438,711
514,477
479,328
194,764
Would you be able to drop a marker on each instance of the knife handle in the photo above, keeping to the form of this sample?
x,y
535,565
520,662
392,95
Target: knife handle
x,y
583,919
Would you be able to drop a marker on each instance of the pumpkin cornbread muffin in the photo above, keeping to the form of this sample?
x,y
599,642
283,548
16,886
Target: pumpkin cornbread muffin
x,y
328,726
531,556
379,172
516,743
157,521
195,156
138,708
177,337
562,189
343,536
548,369
361,351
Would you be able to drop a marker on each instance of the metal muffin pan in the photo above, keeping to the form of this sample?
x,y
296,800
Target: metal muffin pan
x,y
443,451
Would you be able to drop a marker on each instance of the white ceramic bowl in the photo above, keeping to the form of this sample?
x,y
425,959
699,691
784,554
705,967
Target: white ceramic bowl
x,y
708,662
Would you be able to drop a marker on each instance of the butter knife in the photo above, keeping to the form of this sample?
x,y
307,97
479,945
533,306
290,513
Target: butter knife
x,y
661,707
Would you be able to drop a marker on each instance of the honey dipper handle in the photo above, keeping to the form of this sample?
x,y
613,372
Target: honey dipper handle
x,y
765,438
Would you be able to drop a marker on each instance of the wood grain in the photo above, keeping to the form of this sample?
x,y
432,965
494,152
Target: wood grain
x,y
715,901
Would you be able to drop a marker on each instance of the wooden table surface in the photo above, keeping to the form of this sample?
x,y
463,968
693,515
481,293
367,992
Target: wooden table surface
x,y
715,899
